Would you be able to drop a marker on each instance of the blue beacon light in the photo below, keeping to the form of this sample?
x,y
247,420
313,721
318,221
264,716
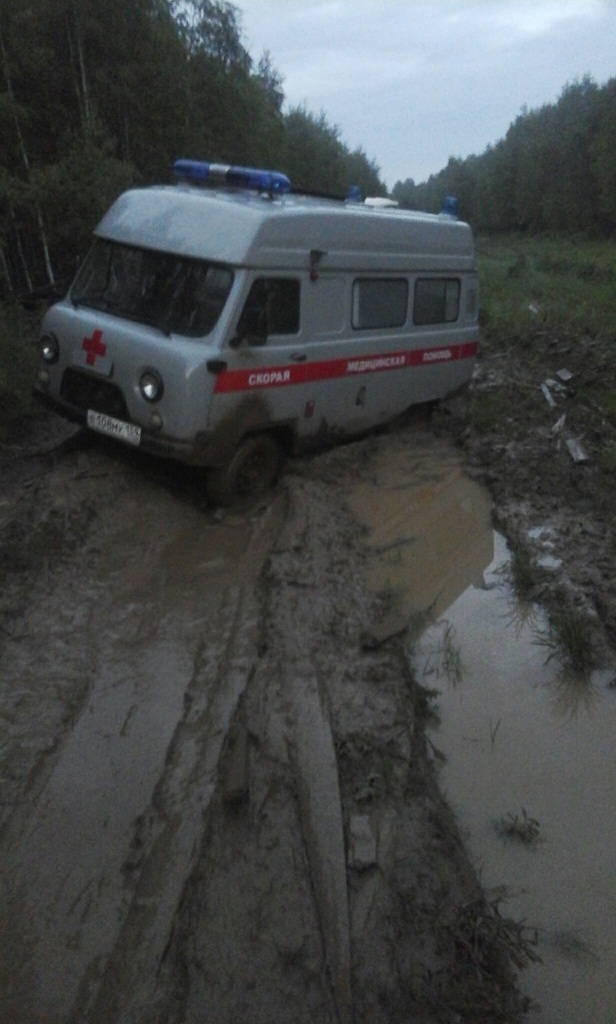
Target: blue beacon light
x,y
450,206
224,174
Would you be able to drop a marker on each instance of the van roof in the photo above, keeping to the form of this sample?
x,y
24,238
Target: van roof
x,y
247,229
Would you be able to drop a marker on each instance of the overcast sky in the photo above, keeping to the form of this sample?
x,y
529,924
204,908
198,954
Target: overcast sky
x,y
414,82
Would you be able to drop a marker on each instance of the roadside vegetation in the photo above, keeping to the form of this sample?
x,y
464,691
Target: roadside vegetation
x,y
18,357
535,287
95,97
539,428
547,300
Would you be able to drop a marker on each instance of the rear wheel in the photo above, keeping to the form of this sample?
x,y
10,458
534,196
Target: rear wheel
x,y
249,474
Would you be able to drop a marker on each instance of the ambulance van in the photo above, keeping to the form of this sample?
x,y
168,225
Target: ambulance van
x,y
225,320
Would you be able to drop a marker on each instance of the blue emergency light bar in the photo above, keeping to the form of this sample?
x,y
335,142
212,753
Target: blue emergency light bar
x,y
450,206
240,177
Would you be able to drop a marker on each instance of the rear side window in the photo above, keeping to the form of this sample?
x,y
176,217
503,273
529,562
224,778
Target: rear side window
x,y
437,300
379,302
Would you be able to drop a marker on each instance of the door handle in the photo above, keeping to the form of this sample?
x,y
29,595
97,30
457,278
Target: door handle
x,y
298,357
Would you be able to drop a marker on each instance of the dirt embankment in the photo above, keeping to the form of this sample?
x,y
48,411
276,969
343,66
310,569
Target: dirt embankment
x,y
217,797
539,430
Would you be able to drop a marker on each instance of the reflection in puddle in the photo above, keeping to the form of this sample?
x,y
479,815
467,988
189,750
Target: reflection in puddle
x,y
430,528
529,750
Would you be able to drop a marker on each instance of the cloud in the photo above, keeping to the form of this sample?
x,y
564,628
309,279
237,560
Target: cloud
x,y
415,81
338,71
528,18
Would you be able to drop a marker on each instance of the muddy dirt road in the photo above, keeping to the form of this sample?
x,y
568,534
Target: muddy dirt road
x,y
218,802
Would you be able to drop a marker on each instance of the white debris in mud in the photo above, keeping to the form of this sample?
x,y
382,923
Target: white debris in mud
x,y
549,563
559,425
564,375
575,449
545,534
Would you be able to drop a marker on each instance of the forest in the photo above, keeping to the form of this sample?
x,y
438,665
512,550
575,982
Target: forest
x,y
554,171
99,95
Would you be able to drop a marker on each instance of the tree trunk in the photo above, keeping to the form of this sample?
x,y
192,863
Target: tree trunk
x,y
82,70
20,251
5,272
26,162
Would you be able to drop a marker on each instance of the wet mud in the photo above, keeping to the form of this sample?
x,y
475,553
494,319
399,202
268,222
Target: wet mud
x,y
218,801
218,797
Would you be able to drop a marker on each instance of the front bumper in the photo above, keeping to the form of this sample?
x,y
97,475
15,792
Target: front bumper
x,y
152,442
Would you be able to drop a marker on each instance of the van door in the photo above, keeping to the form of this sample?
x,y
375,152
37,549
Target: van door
x,y
261,381
357,350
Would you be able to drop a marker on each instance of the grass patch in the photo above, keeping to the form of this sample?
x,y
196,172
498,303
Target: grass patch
x,y
487,949
521,574
569,641
18,360
452,659
557,284
480,929
487,410
606,401
522,828
607,459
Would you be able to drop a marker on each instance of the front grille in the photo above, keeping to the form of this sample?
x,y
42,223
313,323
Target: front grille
x,y
87,392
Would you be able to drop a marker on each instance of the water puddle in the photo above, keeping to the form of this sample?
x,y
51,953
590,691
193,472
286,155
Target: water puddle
x,y
430,528
529,767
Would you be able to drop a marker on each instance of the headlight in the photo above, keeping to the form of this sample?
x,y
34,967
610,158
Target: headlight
x,y
151,385
50,350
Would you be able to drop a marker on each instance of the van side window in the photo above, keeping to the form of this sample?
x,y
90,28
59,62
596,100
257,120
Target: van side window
x,y
379,302
437,300
273,304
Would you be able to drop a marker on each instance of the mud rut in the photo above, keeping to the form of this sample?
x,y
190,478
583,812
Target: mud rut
x,y
217,801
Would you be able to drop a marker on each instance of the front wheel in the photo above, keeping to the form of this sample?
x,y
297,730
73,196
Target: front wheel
x,y
249,474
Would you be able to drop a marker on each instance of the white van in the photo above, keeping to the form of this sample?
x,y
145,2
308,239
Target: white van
x,y
225,320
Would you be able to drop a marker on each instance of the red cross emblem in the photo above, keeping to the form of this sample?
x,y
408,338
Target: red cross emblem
x,y
94,347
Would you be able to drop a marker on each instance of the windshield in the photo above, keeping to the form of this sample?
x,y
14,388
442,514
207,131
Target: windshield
x,y
175,294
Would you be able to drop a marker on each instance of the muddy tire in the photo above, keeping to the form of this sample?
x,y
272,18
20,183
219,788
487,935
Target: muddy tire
x,y
249,475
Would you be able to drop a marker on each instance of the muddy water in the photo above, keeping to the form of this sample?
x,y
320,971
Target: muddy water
x,y
430,528
519,737
161,642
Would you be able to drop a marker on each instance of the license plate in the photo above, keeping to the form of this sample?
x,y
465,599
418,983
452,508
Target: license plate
x,y
127,432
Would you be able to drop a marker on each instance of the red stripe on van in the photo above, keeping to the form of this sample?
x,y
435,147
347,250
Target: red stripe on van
x,y
328,369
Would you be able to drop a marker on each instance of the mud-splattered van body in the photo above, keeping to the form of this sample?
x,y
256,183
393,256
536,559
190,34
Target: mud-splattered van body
x,y
207,315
